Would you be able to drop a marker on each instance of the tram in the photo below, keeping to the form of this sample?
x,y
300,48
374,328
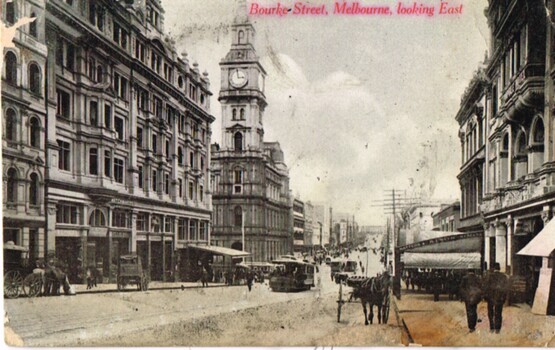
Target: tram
x,y
292,276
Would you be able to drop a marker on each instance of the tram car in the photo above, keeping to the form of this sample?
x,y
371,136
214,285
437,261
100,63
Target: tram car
x,y
292,276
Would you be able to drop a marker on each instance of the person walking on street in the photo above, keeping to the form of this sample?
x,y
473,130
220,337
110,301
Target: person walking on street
x,y
250,279
496,288
471,293
204,278
436,285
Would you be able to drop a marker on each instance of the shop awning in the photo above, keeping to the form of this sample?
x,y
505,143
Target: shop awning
x,y
543,244
220,250
442,260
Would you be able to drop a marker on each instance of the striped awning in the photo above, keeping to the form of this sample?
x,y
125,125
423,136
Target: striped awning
x,y
442,260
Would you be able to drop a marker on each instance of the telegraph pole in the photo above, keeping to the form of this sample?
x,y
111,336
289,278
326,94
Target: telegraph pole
x,y
393,202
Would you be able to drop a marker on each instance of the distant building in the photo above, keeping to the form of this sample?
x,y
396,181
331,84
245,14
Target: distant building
x,y
448,218
322,219
298,225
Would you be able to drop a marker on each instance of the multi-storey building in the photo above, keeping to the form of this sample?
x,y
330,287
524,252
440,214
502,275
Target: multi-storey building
x,y
448,218
518,176
322,220
311,227
251,196
24,123
298,225
127,139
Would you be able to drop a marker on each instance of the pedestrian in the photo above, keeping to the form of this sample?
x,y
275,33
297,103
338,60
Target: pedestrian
x,y
204,278
436,285
496,288
471,293
250,279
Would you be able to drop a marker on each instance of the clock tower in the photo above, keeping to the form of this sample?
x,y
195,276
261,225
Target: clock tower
x,y
250,199
242,90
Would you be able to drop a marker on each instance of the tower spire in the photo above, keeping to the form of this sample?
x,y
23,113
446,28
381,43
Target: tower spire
x,y
241,16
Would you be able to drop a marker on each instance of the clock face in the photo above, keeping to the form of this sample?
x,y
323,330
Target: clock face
x,y
238,78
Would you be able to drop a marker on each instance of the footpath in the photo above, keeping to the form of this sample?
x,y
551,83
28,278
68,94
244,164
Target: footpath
x,y
153,285
443,323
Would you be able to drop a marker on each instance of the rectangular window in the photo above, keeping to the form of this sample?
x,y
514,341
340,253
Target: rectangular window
x,y
93,113
202,233
191,191
169,226
107,163
63,108
93,161
70,57
64,153
167,149
59,51
154,144
142,222
154,180
66,214
192,230
139,137
118,170
167,183
191,159
180,188
119,219
119,124
158,108
200,193
107,116
140,176
181,229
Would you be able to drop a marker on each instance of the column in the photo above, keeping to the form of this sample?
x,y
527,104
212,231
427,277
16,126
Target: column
x,y
133,238
545,287
85,256
510,231
50,243
501,244
487,235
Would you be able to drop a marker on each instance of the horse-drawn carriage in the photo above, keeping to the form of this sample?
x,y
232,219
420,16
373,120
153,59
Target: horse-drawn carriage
x,y
372,291
130,271
19,278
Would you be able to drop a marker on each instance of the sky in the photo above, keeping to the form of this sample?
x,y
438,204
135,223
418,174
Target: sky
x,y
359,104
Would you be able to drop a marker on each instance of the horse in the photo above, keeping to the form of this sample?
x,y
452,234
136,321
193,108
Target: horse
x,y
373,291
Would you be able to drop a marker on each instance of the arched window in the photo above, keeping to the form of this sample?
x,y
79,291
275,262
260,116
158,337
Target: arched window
x,y
35,133
539,132
99,74
34,78
242,114
11,125
34,190
521,144
33,26
97,218
234,114
238,141
11,67
240,37
179,156
238,215
11,190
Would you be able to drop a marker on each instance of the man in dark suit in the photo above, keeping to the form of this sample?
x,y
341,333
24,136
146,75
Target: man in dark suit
x,y
471,293
496,289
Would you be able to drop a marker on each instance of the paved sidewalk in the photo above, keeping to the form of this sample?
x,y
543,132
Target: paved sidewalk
x,y
153,285
443,323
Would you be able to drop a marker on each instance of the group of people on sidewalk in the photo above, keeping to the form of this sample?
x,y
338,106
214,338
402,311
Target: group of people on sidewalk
x,y
494,288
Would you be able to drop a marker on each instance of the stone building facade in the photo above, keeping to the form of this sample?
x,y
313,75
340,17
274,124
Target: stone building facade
x,y
24,125
298,225
513,104
127,135
251,199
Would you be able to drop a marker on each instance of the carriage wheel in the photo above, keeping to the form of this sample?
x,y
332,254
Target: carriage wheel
x,y
12,284
386,309
32,285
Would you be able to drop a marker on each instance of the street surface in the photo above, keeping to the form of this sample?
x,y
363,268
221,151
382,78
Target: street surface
x,y
200,317
443,323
